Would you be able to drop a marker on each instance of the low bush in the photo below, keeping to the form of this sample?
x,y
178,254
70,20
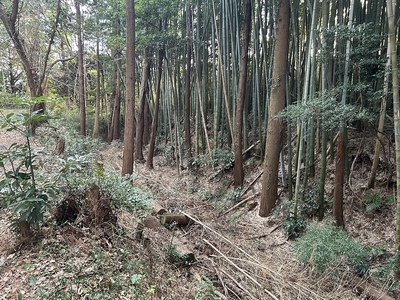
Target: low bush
x,y
325,246
375,202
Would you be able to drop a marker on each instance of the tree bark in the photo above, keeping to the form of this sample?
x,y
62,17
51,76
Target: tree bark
x,y
146,123
396,115
98,89
144,90
339,181
189,50
238,171
150,154
276,128
324,134
115,128
381,123
81,71
127,159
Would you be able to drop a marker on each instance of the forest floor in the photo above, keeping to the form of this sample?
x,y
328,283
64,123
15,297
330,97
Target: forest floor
x,y
238,255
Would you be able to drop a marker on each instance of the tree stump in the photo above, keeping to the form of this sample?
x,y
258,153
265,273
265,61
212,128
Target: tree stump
x,y
93,210
60,147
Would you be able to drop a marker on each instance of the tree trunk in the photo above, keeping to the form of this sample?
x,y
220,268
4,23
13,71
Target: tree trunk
x,y
238,171
98,89
381,123
324,134
81,71
339,181
276,129
142,100
127,159
146,122
115,128
396,115
150,154
189,50
222,71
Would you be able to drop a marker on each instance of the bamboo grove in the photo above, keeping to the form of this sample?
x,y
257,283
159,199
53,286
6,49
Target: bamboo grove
x,y
213,75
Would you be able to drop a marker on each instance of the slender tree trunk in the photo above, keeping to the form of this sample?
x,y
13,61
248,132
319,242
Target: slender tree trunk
x,y
142,100
114,132
381,123
189,50
146,122
339,181
150,154
324,135
276,129
127,163
223,76
98,90
115,128
81,71
390,6
342,141
238,171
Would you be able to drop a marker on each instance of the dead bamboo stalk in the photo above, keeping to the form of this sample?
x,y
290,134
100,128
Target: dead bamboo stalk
x,y
238,268
221,236
251,184
239,204
238,284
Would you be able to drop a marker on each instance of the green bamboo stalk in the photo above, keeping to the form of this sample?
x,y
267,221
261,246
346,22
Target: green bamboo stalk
x,y
396,113
221,65
324,135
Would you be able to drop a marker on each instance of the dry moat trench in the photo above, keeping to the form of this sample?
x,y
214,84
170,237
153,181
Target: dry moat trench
x,y
238,255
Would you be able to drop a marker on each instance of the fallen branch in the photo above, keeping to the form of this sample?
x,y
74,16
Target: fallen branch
x,y
220,235
238,284
217,271
369,289
238,268
239,204
265,234
251,147
245,190
255,262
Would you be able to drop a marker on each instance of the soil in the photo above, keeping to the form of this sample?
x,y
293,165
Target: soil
x,y
238,255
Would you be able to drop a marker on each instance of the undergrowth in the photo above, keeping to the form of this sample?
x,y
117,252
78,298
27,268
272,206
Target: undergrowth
x,y
375,202
325,246
35,178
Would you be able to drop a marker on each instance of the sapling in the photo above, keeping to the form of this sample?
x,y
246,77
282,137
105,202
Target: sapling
x,y
19,186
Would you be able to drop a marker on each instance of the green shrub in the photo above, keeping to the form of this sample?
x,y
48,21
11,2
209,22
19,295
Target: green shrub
x,y
121,190
294,226
23,187
219,157
124,193
325,246
375,202
385,273
206,290
309,207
